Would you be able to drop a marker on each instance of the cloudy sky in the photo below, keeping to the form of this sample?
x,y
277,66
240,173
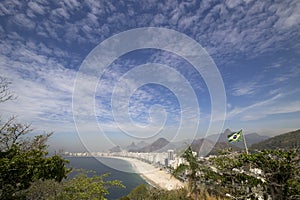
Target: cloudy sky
x,y
51,52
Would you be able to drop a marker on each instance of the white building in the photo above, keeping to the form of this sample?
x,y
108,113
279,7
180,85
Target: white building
x,y
170,154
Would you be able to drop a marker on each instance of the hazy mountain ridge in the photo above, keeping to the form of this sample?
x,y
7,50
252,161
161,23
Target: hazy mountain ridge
x,y
115,149
251,139
288,140
214,143
157,145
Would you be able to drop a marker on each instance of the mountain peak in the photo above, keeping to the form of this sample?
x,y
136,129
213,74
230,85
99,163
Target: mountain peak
x,y
227,131
156,145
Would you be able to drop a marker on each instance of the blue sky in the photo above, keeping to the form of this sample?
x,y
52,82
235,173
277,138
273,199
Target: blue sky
x,y
254,45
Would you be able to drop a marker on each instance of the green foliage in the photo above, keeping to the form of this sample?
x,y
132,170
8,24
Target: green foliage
x,y
29,173
238,174
193,169
143,192
280,171
274,173
83,187
43,190
19,168
80,187
139,193
179,170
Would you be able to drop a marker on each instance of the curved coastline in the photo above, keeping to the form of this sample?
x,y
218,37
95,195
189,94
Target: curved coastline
x,y
154,176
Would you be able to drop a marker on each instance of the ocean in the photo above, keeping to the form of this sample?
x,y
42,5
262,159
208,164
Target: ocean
x,y
130,180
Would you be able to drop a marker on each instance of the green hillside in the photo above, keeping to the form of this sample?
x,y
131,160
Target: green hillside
x,y
288,140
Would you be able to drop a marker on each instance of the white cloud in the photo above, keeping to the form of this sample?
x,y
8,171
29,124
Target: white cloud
x,y
243,88
247,28
35,7
281,103
233,3
288,16
10,7
71,4
61,13
23,21
291,73
236,111
45,85
279,108
284,108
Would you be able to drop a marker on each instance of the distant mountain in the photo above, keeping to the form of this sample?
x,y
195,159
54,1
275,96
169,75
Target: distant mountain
x,y
115,149
288,140
179,146
141,144
202,146
222,146
206,147
155,146
135,147
222,137
251,138
132,147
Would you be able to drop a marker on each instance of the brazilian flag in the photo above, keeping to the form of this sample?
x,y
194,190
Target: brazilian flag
x,y
235,136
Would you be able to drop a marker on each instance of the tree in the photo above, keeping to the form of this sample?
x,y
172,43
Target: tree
x,y
43,190
22,165
24,160
141,192
192,168
280,171
5,93
80,187
232,176
144,192
266,173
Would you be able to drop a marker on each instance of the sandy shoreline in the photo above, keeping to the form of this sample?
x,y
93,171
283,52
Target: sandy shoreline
x,y
155,176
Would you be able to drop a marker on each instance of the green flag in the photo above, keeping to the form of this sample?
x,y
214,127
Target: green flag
x,y
235,136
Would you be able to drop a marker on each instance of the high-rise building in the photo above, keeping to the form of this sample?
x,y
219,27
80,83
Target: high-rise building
x,y
170,154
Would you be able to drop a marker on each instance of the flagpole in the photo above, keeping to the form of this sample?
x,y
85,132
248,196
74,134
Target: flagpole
x,y
244,139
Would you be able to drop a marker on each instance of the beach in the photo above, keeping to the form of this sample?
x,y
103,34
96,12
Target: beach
x,y
154,176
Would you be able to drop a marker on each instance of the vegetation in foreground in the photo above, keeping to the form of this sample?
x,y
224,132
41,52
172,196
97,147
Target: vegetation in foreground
x,y
28,172
264,174
80,187
143,192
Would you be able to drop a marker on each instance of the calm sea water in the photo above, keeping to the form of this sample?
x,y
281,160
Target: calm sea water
x,y
130,180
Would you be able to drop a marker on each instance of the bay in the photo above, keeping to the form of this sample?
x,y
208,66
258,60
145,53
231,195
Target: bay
x,y
130,180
